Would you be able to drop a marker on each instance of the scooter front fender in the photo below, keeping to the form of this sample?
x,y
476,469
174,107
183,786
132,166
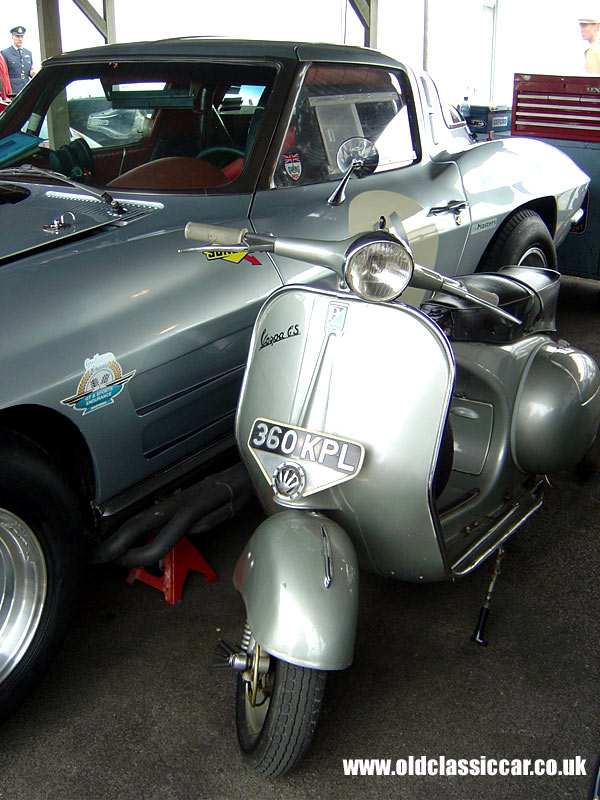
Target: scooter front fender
x,y
298,577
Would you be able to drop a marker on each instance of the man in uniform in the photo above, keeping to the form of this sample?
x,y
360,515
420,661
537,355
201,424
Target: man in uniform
x,y
18,60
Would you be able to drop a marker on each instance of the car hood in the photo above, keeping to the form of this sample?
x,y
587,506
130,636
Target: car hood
x,y
39,217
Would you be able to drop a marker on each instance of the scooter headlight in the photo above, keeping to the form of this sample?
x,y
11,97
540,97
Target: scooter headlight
x,y
379,270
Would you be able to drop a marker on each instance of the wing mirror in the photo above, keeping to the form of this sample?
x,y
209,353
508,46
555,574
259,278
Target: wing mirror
x,y
357,156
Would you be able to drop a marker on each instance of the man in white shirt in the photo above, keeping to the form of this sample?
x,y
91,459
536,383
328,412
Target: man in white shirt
x,y
590,32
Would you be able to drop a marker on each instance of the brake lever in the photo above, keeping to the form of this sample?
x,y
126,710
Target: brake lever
x,y
478,298
432,281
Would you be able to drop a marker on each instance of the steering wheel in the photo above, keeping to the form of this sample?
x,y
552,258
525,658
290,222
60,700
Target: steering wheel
x,y
83,154
224,150
74,159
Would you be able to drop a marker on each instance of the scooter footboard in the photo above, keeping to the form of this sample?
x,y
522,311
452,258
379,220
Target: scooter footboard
x,y
298,577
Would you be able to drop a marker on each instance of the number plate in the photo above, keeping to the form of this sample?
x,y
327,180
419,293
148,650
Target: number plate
x,y
322,460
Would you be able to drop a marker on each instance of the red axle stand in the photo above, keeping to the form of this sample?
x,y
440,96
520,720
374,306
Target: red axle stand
x,y
182,558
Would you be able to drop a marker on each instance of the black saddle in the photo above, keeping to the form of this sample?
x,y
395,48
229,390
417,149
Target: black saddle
x,y
528,293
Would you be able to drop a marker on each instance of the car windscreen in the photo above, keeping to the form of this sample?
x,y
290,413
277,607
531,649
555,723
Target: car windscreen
x,y
142,125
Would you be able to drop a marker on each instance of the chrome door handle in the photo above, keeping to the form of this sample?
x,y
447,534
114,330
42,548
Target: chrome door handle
x,y
455,207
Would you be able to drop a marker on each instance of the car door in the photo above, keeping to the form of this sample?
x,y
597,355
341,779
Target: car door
x,y
338,102
137,339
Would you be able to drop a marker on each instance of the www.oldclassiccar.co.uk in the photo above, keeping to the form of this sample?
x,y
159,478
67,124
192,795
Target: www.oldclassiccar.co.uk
x,y
481,766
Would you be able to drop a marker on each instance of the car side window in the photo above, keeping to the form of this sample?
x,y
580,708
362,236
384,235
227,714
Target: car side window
x,y
336,103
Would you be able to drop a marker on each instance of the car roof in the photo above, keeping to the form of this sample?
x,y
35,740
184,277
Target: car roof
x,y
199,47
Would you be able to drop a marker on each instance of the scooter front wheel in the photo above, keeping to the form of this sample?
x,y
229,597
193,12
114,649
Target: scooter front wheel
x,y
277,713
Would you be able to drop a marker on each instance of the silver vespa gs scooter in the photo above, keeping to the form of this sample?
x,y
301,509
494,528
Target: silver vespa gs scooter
x,y
408,442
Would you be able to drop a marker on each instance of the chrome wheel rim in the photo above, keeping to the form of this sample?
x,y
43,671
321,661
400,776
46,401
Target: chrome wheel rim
x,y
23,587
534,257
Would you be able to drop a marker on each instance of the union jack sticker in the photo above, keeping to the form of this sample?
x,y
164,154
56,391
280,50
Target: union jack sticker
x,y
293,165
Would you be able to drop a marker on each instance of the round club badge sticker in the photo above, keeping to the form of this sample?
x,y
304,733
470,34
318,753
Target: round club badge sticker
x,y
102,381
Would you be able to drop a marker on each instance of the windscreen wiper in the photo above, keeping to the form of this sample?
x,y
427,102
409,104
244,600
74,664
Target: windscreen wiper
x,y
28,170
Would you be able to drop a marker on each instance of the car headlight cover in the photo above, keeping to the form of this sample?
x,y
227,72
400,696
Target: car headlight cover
x,y
379,270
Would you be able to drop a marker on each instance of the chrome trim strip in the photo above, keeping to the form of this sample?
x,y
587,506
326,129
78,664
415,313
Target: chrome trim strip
x,y
56,194
327,559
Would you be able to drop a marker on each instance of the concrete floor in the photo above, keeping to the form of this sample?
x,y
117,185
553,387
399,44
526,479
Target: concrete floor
x,y
131,708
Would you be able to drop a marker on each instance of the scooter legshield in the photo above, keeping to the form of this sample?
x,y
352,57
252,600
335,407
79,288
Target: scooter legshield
x,y
330,368
298,577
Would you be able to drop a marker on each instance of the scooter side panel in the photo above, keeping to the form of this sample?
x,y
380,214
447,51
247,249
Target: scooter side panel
x,y
556,417
299,579
378,374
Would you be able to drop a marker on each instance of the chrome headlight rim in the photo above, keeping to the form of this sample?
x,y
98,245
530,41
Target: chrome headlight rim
x,y
355,251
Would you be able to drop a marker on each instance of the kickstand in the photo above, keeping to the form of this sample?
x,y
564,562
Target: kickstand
x,y
478,634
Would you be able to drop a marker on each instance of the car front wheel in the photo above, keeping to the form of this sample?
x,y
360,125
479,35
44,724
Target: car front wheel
x,y
41,552
523,240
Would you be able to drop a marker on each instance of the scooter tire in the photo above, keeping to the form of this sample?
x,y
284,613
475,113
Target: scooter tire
x,y
285,735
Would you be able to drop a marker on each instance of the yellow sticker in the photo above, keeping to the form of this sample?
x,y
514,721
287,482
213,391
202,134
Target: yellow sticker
x,y
228,255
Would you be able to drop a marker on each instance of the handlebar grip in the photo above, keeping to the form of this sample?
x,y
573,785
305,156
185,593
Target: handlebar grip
x,y
215,234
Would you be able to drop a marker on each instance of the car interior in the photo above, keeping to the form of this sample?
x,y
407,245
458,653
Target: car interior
x,y
155,127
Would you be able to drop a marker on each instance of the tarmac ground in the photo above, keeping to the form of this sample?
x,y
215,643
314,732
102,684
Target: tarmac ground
x,y
131,708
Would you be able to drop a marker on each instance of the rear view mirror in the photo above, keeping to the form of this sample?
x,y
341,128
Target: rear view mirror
x,y
357,156
360,154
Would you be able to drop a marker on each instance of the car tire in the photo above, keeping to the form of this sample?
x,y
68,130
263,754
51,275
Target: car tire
x,y
523,240
41,556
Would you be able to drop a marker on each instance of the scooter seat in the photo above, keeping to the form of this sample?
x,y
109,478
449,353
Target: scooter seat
x,y
528,293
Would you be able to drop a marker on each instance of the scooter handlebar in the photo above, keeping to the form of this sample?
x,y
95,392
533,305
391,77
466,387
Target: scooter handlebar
x,y
330,255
